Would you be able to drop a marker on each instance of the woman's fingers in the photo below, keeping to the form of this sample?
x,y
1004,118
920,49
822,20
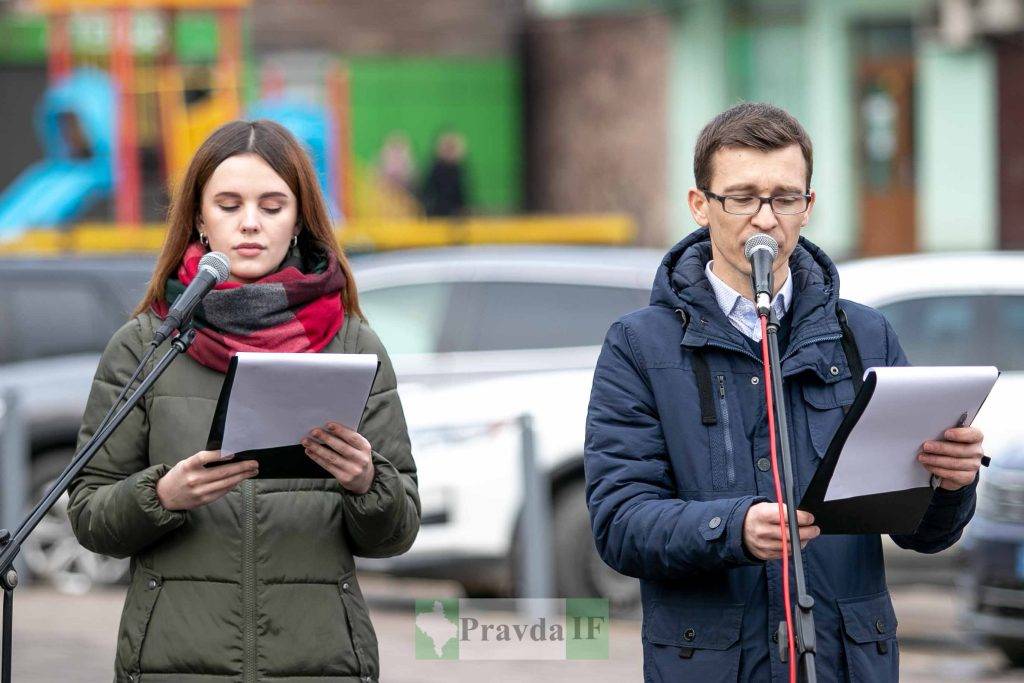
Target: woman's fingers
x,y
334,443
351,436
215,490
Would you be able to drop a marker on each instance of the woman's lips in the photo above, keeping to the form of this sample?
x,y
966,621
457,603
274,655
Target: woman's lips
x,y
248,250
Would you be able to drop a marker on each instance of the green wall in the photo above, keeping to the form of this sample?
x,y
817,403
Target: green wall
x,y
957,196
803,60
419,97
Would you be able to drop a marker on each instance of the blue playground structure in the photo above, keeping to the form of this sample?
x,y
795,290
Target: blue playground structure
x,y
311,124
76,122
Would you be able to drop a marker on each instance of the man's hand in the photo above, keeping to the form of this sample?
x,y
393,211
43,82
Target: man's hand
x,y
189,484
761,530
955,459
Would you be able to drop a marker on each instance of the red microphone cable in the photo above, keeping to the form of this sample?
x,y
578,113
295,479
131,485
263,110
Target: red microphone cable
x,y
778,495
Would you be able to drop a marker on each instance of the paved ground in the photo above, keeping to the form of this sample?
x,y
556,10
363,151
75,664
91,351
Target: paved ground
x,y
71,639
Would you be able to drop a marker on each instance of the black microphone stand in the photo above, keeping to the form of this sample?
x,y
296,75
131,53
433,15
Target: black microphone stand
x,y
10,544
803,618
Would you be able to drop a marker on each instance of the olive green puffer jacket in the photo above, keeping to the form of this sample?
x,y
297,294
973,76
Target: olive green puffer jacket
x,y
259,585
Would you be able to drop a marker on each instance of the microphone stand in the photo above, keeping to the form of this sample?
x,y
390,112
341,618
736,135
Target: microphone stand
x,y
803,619
10,544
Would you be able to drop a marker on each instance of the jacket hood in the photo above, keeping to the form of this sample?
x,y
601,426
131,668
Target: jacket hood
x,y
681,283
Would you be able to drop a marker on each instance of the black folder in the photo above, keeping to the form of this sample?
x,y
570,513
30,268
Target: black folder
x,y
281,462
891,512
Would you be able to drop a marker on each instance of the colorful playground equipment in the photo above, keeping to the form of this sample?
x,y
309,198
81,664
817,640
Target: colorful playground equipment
x,y
76,124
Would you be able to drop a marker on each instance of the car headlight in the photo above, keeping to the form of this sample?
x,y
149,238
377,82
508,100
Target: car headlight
x,y
1001,496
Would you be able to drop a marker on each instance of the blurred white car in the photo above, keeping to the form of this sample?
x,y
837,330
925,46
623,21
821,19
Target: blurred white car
x,y
947,309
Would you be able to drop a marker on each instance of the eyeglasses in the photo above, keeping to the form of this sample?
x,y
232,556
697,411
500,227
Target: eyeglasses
x,y
746,205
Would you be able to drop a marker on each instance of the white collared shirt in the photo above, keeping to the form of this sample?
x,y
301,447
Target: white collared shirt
x,y
742,312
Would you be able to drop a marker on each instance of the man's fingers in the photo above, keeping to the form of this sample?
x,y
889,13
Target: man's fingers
x,y
954,449
804,518
958,476
966,464
964,435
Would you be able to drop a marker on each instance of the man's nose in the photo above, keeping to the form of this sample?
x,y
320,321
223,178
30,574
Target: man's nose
x,y
764,218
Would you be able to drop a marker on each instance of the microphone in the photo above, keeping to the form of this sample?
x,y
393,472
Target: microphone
x,y
761,250
214,269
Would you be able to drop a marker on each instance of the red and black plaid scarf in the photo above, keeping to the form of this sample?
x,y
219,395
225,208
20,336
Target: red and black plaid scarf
x,y
295,309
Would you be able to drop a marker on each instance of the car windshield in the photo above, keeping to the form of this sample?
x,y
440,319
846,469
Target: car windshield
x,y
961,330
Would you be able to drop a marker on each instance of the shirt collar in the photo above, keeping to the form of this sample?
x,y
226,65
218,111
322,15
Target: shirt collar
x,y
728,298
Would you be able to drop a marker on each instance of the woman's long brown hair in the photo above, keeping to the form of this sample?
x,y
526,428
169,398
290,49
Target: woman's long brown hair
x,y
275,145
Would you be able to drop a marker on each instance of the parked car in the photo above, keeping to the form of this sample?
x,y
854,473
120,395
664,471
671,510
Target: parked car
x,y
463,313
58,314
467,448
446,315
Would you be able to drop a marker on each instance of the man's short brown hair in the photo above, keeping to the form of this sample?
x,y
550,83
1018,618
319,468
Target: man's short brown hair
x,y
758,125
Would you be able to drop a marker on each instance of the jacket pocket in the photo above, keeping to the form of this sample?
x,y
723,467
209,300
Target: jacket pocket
x,y
722,440
138,610
692,642
364,639
825,403
870,650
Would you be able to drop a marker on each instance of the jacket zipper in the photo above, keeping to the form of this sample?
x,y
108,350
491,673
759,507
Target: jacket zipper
x,y
249,577
789,352
730,465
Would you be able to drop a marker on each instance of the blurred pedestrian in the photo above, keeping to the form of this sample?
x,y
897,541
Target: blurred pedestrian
x,y
444,188
234,577
679,481
396,167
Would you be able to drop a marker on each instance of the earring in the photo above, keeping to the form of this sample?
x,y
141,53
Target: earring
x,y
204,240
295,241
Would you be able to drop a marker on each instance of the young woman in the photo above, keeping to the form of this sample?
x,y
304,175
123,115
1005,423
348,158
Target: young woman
x,y
235,578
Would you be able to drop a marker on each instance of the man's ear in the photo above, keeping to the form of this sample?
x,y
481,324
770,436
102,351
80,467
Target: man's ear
x,y
699,205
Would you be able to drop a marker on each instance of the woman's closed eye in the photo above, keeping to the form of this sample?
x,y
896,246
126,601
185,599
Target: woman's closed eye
x,y
234,207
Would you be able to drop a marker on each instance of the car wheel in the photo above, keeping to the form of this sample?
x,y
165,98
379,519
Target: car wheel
x,y
1013,649
579,570
52,553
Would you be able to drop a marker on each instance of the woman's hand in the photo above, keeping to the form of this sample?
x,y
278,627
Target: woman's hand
x,y
189,485
344,453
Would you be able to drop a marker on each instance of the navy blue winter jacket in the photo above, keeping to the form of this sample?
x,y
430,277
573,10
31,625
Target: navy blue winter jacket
x,y
668,493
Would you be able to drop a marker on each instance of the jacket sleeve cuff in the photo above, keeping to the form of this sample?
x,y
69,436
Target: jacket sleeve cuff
x,y
948,508
147,517
385,492
737,549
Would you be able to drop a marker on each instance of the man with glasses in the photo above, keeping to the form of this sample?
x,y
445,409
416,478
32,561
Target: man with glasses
x,y
679,481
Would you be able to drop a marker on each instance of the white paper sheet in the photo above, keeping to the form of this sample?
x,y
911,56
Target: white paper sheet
x,y
910,405
277,398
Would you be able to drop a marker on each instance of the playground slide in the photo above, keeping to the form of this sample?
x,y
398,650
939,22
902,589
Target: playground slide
x,y
49,193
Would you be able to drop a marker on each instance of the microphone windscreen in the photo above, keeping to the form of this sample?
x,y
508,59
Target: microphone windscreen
x,y
218,263
760,240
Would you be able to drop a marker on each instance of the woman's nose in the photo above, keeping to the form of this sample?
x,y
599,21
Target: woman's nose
x,y
250,220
